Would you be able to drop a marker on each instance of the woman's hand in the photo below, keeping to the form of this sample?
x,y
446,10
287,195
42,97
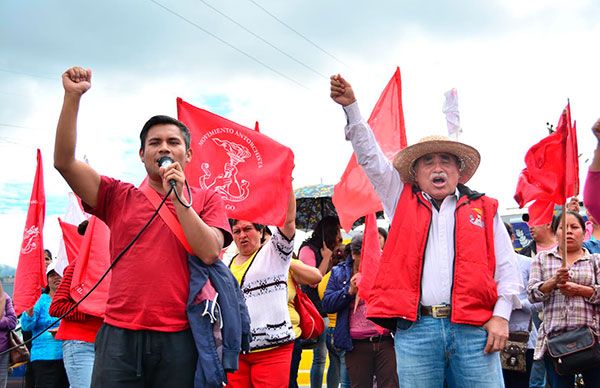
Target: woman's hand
x,y
354,282
560,277
574,289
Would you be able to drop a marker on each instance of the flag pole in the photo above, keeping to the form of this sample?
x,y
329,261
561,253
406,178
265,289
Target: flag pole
x,y
563,241
563,221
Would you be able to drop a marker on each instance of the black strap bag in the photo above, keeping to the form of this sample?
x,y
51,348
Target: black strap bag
x,y
574,351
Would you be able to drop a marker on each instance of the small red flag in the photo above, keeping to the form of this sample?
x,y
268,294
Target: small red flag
x,y
251,172
93,260
354,196
552,172
30,276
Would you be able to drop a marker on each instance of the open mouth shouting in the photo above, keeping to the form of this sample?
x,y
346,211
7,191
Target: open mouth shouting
x,y
439,180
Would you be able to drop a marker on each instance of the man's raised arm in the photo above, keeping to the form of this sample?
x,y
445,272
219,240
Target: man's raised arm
x,y
83,179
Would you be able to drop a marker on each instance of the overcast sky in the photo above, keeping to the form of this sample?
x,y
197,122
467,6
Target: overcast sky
x,y
514,64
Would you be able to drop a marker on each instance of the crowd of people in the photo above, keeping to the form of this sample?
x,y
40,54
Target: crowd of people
x,y
449,300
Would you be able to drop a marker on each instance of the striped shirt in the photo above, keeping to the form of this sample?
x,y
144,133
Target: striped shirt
x,y
563,313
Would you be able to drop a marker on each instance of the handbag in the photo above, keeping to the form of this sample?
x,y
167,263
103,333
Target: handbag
x,y
311,322
574,351
512,356
19,355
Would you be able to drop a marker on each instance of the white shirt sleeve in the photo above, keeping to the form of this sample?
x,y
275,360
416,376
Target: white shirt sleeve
x,y
508,274
380,171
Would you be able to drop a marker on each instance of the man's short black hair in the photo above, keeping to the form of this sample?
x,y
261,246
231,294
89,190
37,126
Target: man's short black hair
x,y
162,119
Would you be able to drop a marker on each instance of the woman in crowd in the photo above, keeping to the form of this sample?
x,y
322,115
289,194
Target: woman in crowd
x,y
383,234
8,322
574,289
317,251
262,272
336,373
46,351
77,330
369,348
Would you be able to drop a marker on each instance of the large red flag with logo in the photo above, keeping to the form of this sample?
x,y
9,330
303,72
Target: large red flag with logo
x,y
30,276
552,172
92,262
251,172
354,195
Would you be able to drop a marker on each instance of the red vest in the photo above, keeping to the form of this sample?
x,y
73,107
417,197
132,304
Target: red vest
x,y
397,289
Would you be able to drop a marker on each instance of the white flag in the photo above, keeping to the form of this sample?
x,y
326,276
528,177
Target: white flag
x,y
450,109
74,216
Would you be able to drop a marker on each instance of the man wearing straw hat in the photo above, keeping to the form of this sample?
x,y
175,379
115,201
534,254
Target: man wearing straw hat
x,y
450,277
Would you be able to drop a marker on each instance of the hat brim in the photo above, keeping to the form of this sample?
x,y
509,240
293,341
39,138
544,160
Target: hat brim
x,y
405,158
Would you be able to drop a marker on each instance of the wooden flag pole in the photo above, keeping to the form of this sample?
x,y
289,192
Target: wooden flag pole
x,y
563,241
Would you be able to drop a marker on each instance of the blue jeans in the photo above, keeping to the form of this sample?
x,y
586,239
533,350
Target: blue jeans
x,y
319,357
337,372
3,370
79,362
538,374
433,350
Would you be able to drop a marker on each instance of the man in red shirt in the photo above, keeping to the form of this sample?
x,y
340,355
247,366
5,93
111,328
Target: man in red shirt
x,y
145,339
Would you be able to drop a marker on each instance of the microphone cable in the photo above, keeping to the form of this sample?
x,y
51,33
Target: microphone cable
x,y
110,267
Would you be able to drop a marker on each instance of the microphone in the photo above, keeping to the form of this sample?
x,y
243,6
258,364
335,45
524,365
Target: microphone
x,y
166,161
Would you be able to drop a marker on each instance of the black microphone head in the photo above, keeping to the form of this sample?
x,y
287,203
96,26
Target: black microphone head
x,y
165,161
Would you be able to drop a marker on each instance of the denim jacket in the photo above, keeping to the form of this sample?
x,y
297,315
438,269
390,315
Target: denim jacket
x,y
337,300
220,322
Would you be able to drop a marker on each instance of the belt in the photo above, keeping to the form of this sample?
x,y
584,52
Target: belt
x,y
439,311
375,338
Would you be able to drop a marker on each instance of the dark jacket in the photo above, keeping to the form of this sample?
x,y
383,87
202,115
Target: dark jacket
x,y
218,350
337,300
529,250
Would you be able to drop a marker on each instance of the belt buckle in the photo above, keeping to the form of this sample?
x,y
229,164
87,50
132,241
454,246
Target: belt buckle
x,y
441,311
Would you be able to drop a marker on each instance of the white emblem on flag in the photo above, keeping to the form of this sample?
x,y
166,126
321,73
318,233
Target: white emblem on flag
x,y
227,184
30,237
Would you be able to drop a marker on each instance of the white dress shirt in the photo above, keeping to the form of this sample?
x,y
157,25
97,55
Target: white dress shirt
x,y
436,283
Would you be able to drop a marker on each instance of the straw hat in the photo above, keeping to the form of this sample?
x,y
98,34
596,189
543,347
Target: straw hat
x,y
406,158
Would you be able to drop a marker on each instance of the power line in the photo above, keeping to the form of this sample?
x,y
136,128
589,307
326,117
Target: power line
x,y
297,32
264,40
19,126
228,44
27,74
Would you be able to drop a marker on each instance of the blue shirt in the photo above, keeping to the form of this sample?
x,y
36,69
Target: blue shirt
x,y
592,245
45,347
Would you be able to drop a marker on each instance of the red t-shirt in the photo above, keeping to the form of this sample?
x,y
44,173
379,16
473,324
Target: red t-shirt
x,y
150,283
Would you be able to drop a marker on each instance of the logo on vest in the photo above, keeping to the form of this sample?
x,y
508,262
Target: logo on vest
x,y
227,183
475,217
30,237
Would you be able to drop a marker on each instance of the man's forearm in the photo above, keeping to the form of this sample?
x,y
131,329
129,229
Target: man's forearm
x,y
66,132
205,241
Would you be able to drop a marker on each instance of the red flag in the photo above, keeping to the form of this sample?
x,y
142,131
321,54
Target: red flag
x,y
354,195
30,276
72,240
552,172
370,256
93,260
251,172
